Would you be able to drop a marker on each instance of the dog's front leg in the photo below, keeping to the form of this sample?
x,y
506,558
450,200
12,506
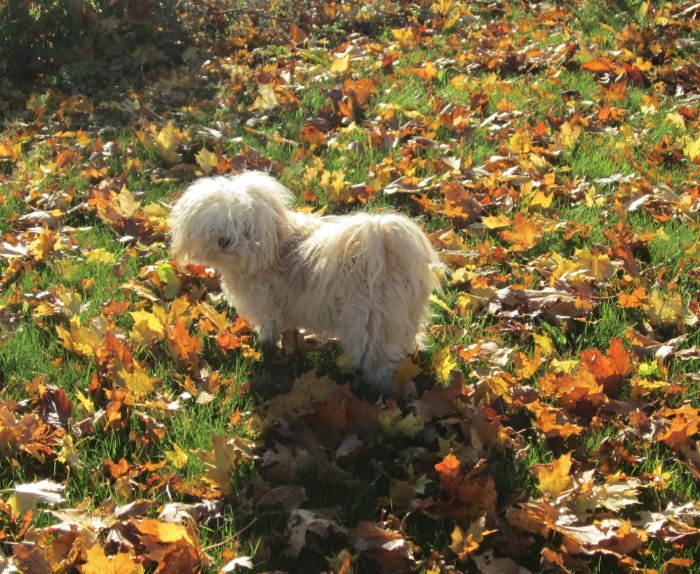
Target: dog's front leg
x,y
269,333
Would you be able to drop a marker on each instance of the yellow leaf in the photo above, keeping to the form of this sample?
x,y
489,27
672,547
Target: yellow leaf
x,y
164,532
86,402
405,372
147,327
343,363
692,148
544,343
340,65
10,151
79,340
676,119
177,457
465,542
126,203
565,366
554,479
101,255
444,363
460,81
541,199
404,36
69,455
97,562
220,462
525,235
266,99
568,135
138,382
520,142
598,266
206,160
167,142
665,309
496,221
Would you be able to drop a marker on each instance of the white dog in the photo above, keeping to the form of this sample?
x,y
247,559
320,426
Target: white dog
x,y
364,279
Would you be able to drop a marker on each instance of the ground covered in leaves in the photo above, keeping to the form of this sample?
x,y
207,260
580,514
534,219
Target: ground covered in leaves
x,y
551,151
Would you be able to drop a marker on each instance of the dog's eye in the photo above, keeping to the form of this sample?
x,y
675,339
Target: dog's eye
x,y
224,242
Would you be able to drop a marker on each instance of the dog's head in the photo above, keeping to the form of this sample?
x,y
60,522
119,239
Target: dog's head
x,y
231,222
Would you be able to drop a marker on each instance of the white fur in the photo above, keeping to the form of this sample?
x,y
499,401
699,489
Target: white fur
x,y
364,279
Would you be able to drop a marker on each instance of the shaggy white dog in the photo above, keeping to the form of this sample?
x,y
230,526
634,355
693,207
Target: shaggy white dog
x,y
364,279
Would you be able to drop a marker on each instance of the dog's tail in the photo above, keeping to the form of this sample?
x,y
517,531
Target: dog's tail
x,y
407,247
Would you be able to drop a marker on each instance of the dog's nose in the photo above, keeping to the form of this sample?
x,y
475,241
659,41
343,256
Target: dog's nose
x,y
224,242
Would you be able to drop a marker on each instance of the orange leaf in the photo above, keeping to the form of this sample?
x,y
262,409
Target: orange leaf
x,y
598,66
552,422
610,369
182,346
526,366
312,135
684,424
525,234
448,470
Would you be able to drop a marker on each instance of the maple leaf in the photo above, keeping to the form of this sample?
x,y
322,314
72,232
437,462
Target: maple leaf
x,y
610,369
459,204
206,160
222,460
386,547
177,457
443,363
166,142
496,221
632,300
554,479
552,422
311,135
265,99
29,434
692,148
340,65
11,151
525,233
164,532
448,470
148,327
668,309
685,422
303,523
183,347
464,543
97,562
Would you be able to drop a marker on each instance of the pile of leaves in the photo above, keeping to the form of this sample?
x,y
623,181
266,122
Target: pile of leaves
x,y
552,154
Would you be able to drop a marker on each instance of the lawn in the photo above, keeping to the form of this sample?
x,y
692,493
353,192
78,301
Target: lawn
x,y
552,154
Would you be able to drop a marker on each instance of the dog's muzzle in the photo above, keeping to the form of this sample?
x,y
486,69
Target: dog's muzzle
x,y
224,242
